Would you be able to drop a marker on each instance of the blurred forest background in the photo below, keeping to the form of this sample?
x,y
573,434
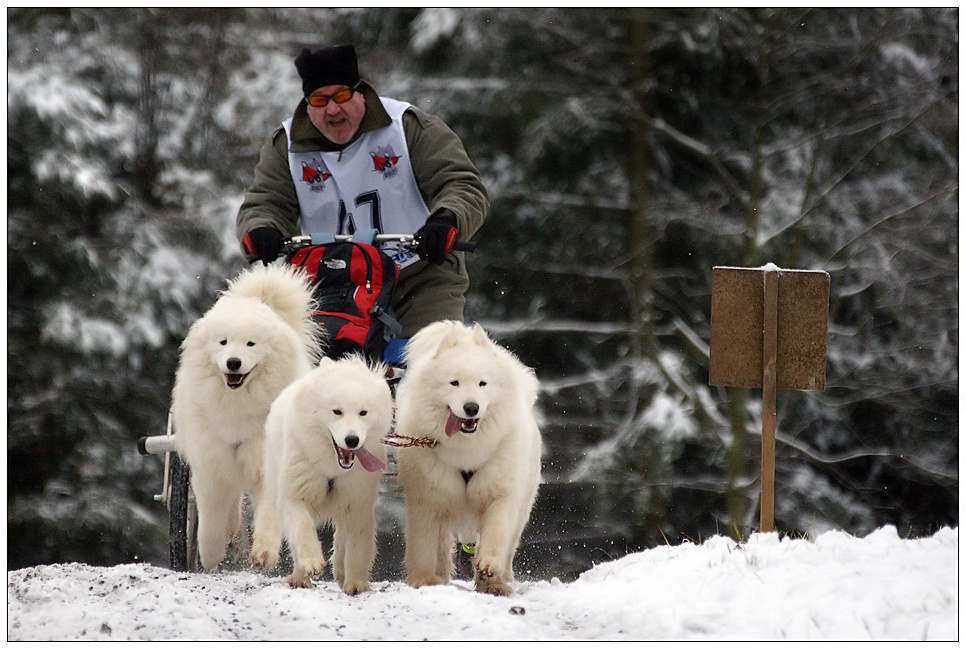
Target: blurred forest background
x,y
627,152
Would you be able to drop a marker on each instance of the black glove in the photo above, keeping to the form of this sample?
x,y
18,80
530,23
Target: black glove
x,y
435,240
264,243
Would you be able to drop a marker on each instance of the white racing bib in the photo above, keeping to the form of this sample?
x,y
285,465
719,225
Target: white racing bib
x,y
368,185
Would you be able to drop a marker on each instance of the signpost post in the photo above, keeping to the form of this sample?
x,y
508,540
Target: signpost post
x,y
769,330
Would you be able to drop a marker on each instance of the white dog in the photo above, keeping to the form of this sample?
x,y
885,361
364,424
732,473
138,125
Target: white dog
x,y
323,462
477,479
256,339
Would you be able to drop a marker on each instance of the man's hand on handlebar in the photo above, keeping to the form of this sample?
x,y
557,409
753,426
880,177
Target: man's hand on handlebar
x,y
264,243
436,239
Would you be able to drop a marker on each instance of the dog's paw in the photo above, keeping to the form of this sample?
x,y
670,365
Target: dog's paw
x,y
355,587
305,569
419,581
263,557
299,581
489,577
491,584
211,556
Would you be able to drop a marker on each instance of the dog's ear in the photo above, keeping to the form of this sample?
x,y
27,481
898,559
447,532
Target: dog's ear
x,y
450,339
479,334
196,330
326,361
378,368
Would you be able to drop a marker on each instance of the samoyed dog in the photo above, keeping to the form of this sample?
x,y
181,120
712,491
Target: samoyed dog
x,y
476,477
323,462
256,339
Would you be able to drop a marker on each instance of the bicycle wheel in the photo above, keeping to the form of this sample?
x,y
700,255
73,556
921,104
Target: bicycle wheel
x,y
180,533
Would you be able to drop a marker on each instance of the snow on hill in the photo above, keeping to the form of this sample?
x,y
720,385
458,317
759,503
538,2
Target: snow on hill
x,y
836,586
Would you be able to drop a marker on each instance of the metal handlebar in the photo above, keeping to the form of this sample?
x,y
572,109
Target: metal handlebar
x,y
300,241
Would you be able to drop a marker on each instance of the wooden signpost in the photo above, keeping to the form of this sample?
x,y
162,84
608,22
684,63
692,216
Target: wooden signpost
x,y
769,329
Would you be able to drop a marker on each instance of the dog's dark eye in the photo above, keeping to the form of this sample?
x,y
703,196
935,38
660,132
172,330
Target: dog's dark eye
x,y
251,344
363,413
224,342
455,384
482,383
337,412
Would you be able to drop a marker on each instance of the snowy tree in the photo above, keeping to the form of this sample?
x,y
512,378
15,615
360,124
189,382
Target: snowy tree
x,y
114,245
627,153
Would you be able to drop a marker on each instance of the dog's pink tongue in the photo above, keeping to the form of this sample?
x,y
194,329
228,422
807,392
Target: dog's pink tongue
x,y
453,424
369,462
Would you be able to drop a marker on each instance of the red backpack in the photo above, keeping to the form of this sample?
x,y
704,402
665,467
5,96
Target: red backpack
x,y
354,283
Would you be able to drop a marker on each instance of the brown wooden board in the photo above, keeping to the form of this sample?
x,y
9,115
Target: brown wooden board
x,y
737,309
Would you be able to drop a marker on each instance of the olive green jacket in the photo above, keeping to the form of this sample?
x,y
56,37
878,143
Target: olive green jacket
x,y
446,178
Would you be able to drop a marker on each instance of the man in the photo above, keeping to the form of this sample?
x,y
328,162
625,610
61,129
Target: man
x,y
349,160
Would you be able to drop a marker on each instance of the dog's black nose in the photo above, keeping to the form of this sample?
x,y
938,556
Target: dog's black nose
x,y
351,441
471,409
233,364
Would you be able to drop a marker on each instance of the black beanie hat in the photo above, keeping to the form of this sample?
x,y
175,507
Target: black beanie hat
x,y
329,66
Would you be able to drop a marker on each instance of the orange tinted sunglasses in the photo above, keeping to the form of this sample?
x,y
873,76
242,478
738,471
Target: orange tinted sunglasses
x,y
339,97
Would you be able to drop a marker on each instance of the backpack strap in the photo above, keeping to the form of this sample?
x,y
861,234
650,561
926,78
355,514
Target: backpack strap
x,y
392,327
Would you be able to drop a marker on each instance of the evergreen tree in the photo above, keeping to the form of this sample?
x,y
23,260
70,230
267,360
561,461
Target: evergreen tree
x,y
627,153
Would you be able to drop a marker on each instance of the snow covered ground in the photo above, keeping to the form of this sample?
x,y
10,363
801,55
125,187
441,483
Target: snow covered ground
x,y
836,586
